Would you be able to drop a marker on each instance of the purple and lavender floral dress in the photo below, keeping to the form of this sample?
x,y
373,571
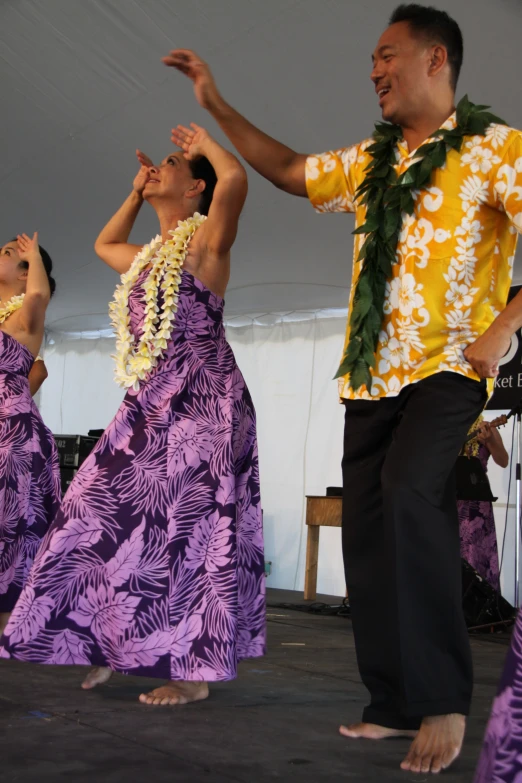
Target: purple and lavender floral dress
x,y
29,472
478,535
501,757
154,565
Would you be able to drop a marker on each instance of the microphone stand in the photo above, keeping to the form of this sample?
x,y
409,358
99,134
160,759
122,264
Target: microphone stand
x,y
517,412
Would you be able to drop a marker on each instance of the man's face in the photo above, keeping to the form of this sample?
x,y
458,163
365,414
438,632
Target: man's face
x,y
401,66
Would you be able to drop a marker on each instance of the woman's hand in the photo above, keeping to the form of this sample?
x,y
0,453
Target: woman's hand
x,y
144,159
485,434
140,180
143,175
193,141
490,437
28,248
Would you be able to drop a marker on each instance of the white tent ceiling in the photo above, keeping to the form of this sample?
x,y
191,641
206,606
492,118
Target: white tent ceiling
x,y
82,86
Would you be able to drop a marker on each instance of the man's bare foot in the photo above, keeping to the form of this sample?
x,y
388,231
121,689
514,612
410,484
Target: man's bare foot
x,y
373,731
176,693
437,744
96,676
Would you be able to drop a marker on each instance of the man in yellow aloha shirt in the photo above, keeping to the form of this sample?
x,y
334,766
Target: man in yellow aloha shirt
x,y
454,258
445,326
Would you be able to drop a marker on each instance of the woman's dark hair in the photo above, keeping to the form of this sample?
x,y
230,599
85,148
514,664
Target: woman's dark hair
x,y
48,266
201,168
434,26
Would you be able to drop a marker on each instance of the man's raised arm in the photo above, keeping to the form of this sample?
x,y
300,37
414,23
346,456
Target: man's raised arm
x,y
273,160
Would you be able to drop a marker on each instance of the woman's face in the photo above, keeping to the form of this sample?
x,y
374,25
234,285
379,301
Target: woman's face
x,y
172,180
10,270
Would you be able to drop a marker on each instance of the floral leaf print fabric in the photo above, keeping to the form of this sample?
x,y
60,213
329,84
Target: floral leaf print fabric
x,y
501,757
29,472
454,258
154,565
478,535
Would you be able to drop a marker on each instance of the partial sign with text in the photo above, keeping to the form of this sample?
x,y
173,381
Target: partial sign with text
x,y
508,383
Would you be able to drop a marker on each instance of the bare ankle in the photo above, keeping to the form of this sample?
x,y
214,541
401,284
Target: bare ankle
x,y
4,619
455,717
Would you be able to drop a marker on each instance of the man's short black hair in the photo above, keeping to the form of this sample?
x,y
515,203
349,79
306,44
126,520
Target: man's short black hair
x,y
436,27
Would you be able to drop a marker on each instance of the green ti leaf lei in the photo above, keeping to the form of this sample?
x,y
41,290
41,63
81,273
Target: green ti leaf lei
x,y
387,198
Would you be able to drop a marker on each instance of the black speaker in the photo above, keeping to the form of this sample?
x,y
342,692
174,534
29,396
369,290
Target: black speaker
x,y
482,604
334,492
66,477
74,449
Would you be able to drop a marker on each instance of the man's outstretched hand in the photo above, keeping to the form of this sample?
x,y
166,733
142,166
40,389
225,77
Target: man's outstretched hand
x,y
186,61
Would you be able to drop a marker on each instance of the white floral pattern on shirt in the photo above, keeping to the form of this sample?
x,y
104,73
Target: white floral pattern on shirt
x,y
455,253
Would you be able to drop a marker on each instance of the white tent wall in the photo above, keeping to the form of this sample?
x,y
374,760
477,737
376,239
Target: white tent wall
x,y
79,393
288,363
503,487
289,367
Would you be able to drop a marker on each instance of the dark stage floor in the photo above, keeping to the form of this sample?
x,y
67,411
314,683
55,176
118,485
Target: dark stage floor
x,y
277,722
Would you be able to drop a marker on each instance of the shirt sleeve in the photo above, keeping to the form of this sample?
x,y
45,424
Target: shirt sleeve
x,y
507,184
331,180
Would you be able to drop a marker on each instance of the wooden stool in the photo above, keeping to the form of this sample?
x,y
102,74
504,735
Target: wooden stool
x,y
320,510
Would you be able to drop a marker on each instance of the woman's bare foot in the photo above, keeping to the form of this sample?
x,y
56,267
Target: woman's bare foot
x,y
96,676
373,731
176,693
4,619
437,744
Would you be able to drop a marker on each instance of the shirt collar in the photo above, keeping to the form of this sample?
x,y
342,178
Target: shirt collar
x,y
449,124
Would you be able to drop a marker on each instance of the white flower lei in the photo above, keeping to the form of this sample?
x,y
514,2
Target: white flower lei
x,y
11,307
135,360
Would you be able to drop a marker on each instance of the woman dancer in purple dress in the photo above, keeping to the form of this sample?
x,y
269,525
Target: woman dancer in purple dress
x,y
154,565
478,536
29,474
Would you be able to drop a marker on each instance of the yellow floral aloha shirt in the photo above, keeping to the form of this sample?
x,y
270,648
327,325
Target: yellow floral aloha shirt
x,y
454,258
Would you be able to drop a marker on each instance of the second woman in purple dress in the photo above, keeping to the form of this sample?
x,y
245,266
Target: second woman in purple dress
x,y
29,473
154,565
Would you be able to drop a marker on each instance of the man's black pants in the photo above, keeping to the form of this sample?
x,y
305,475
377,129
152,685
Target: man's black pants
x,y
401,548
